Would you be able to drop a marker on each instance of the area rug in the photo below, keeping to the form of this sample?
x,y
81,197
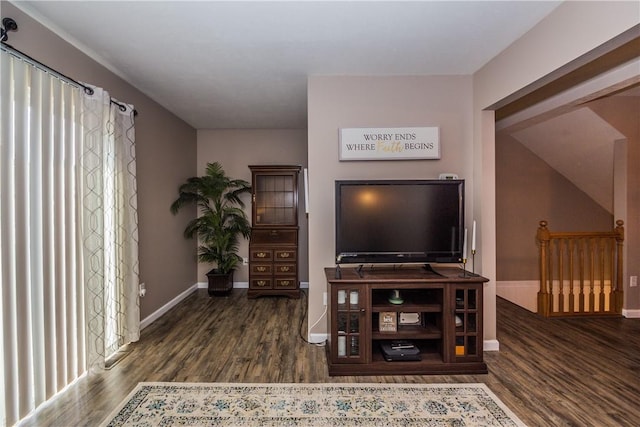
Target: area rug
x,y
219,404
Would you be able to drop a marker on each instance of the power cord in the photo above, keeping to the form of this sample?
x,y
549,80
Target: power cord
x,y
304,314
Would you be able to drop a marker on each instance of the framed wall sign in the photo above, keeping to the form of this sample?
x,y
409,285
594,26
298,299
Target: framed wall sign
x,y
389,143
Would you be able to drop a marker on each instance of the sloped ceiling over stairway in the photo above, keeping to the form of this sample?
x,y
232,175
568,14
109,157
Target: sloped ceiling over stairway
x,y
577,143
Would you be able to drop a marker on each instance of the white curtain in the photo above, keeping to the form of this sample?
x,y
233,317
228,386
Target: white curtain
x,y
53,292
110,227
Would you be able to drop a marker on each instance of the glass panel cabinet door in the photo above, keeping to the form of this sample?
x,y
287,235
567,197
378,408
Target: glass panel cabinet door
x,y
467,323
348,335
275,199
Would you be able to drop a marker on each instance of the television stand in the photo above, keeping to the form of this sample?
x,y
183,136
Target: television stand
x,y
440,313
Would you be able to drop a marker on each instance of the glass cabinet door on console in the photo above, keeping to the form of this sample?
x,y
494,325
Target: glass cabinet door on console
x,y
467,322
349,332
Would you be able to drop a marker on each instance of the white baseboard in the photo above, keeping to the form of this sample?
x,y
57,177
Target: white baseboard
x,y
317,338
168,306
491,345
236,285
631,314
521,292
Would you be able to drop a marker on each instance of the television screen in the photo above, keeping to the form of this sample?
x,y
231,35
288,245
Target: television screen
x,y
406,221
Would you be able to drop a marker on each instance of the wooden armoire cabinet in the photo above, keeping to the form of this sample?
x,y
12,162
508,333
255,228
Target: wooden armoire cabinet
x,y
273,246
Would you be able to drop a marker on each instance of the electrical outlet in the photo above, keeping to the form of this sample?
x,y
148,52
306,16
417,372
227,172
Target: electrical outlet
x,y
633,281
324,298
245,261
142,289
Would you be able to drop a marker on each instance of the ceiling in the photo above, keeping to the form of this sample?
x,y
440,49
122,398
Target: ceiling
x,y
241,64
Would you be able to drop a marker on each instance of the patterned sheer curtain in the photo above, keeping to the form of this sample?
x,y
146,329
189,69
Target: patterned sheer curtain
x,y
67,299
110,227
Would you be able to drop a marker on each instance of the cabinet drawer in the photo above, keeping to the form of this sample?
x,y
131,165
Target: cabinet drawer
x,y
264,255
261,283
285,282
275,236
285,254
259,269
285,268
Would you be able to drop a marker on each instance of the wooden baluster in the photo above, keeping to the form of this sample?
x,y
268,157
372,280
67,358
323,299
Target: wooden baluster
x,y
618,293
592,275
612,259
543,293
561,249
572,296
612,276
602,263
581,274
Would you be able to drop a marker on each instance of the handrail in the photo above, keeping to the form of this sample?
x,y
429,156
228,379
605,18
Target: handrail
x,y
586,260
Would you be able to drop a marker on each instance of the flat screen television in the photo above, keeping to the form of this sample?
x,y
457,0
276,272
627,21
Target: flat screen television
x,y
399,221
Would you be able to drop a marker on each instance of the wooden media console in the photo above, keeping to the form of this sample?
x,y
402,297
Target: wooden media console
x,y
436,311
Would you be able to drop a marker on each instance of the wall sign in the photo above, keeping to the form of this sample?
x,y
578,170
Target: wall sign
x,y
390,143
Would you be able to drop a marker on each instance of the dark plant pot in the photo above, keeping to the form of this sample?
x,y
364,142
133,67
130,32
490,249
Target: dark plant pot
x,y
219,284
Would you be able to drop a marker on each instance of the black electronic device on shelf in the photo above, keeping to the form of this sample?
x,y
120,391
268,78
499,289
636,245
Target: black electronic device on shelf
x,y
400,351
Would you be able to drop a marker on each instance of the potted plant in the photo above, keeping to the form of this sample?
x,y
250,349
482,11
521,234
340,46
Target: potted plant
x,y
220,223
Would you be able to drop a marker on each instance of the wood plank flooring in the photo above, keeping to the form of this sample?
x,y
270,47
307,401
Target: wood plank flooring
x,y
550,372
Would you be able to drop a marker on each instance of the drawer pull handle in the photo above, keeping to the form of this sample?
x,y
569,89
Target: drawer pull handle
x,y
284,283
261,254
261,268
261,282
284,268
285,255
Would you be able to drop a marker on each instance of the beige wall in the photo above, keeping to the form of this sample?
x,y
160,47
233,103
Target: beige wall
x,y
623,113
529,190
236,150
166,154
343,102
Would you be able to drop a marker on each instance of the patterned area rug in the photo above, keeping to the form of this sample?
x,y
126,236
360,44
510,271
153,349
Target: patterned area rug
x,y
213,404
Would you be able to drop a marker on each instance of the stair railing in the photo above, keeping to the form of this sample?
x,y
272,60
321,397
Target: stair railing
x,y
580,272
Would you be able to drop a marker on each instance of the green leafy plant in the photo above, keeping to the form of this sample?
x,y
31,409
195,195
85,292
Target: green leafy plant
x,y
221,220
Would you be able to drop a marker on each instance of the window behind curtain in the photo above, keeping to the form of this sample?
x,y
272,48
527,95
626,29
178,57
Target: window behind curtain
x,y
42,302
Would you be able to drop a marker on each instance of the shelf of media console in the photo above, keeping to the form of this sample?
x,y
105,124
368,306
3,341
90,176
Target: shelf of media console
x,y
408,332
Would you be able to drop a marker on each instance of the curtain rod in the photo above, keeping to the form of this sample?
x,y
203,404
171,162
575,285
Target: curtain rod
x,y
23,56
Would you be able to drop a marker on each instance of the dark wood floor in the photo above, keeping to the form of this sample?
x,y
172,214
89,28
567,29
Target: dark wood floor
x,y
550,372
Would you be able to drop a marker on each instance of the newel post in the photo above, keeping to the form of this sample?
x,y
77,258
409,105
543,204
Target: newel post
x,y
618,292
543,238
